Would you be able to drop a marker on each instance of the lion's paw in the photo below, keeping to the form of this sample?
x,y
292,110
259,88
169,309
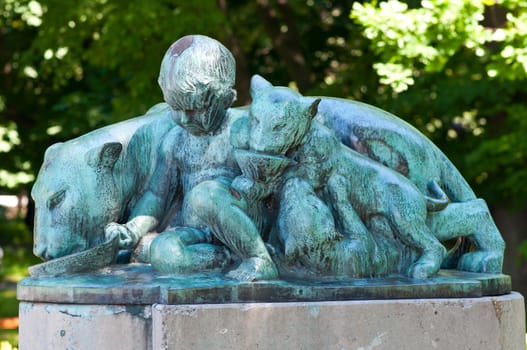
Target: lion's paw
x,y
484,261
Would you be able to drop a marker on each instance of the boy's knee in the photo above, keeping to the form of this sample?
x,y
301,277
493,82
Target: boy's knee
x,y
167,253
207,196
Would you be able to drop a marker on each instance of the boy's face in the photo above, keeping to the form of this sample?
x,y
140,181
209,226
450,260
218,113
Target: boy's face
x,y
201,113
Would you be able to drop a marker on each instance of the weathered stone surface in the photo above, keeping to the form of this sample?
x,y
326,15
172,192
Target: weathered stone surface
x,y
84,327
479,323
458,323
139,284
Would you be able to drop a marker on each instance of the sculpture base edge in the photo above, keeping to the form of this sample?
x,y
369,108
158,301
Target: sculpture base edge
x,y
138,284
495,322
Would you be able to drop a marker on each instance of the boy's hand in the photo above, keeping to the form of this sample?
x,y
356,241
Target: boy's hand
x,y
126,237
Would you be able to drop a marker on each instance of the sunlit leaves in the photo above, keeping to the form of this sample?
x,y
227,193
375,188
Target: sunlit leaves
x,y
395,75
22,12
425,38
421,38
13,180
511,61
444,66
32,14
8,137
459,72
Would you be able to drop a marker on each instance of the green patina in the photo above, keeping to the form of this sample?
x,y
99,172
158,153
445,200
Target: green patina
x,y
140,284
290,189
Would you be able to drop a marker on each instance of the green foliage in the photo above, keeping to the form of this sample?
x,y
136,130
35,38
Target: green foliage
x,y
420,38
15,262
8,339
8,308
15,232
15,241
8,303
457,70
522,249
69,67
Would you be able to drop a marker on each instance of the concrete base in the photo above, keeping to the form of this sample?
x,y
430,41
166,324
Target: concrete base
x,y
462,323
67,326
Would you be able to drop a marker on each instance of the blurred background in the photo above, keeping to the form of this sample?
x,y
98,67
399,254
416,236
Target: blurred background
x,y
457,70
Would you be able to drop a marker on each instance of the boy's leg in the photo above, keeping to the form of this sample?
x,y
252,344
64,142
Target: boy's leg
x,y
365,258
212,204
186,250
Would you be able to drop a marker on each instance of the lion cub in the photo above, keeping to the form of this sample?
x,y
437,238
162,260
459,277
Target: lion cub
x,y
364,197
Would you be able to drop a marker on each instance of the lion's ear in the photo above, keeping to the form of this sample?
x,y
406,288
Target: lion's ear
x,y
312,109
105,156
52,150
258,84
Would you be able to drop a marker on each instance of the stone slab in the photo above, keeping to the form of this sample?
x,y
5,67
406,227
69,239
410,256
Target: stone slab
x,y
137,284
459,323
45,326
491,323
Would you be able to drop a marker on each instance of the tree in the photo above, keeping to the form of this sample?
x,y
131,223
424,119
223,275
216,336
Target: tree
x,y
69,67
454,69
458,70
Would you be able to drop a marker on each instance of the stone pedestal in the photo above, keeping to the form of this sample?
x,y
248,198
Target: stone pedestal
x,y
67,326
491,323
133,308
480,323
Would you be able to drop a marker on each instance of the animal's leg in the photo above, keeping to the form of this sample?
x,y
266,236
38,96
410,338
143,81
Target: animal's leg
x,y
473,220
212,204
414,232
307,229
360,243
183,250
348,220
429,262
390,255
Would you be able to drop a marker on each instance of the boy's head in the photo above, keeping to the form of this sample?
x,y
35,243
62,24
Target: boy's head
x,y
197,77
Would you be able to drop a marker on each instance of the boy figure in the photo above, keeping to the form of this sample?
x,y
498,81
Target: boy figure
x,y
197,79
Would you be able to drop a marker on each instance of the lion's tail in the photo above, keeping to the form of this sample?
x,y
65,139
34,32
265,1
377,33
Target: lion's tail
x,y
439,201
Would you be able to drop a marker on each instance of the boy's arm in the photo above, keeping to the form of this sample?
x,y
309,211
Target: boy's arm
x,y
151,207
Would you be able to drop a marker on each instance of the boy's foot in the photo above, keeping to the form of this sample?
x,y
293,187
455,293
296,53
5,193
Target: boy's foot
x,y
254,269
